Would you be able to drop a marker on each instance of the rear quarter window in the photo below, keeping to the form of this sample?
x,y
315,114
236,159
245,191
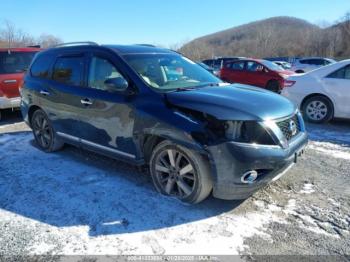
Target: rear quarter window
x,y
41,66
342,73
305,61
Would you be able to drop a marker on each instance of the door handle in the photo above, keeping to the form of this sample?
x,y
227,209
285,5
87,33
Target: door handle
x,y
8,81
86,102
44,92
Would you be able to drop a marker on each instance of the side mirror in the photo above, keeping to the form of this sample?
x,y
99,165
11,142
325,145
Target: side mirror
x,y
117,84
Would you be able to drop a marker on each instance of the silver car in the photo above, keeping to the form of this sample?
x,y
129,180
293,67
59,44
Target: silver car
x,y
311,63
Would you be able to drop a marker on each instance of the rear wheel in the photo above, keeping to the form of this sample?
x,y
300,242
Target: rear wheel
x,y
273,86
318,109
179,172
43,132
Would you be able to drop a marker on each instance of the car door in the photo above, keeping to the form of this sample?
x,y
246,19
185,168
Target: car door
x,y
236,72
256,74
60,95
106,116
337,85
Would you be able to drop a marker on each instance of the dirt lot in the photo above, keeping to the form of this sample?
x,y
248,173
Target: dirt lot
x,y
76,202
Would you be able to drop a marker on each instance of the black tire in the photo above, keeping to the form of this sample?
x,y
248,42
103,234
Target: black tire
x,y
273,86
198,180
318,109
44,133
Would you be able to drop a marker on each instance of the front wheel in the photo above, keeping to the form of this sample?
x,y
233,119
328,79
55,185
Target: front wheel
x,y
43,132
318,109
179,172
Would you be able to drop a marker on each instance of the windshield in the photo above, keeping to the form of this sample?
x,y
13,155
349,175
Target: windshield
x,y
331,61
15,62
272,66
167,72
205,66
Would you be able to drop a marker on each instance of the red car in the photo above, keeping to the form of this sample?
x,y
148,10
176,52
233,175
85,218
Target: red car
x,y
13,64
256,72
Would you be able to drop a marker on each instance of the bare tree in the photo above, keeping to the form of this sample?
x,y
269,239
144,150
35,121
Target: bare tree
x,y
8,33
47,40
10,36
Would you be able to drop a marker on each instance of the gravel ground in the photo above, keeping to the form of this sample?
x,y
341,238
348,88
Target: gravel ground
x,y
76,202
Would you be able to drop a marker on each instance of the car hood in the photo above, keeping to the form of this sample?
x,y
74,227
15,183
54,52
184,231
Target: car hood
x,y
234,102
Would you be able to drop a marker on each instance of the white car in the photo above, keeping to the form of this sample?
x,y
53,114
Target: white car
x,y
285,65
311,63
321,94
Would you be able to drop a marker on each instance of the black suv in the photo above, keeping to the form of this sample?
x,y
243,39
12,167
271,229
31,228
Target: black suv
x,y
152,106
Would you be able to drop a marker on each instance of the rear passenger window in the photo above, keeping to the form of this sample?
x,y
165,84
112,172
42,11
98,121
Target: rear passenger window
x,y
237,66
318,62
41,67
69,70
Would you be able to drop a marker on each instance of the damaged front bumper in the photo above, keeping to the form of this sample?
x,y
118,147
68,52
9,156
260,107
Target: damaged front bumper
x,y
231,160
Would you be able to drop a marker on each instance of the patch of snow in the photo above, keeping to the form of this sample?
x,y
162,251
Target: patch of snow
x,y
14,125
41,248
274,208
307,189
5,138
81,207
306,222
320,133
333,150
333,202
259,203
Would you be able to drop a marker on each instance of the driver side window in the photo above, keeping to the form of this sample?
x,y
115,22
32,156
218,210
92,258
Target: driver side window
x,y
100,70
254,67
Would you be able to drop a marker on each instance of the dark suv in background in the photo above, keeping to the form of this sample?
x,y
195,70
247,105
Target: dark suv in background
x,y
196,134
218,63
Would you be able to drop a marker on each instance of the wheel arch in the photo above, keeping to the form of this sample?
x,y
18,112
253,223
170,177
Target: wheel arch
x,y
316,94
273,80
31,111
151,139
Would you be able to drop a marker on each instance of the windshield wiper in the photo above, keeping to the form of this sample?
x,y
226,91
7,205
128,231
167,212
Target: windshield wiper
x,y
195,87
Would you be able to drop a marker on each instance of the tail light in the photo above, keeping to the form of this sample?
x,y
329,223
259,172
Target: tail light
x,y
1,93
288,83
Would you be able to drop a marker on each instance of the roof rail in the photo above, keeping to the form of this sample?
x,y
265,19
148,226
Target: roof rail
x,y
75,43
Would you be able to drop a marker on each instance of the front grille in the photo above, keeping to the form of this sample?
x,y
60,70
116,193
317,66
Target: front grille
x,y
287,129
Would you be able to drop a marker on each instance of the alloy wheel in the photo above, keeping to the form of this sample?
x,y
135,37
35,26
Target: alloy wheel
x,y
175,173
42,130
316,110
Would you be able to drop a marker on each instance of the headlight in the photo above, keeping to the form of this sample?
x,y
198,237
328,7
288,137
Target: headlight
x,y
248,132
